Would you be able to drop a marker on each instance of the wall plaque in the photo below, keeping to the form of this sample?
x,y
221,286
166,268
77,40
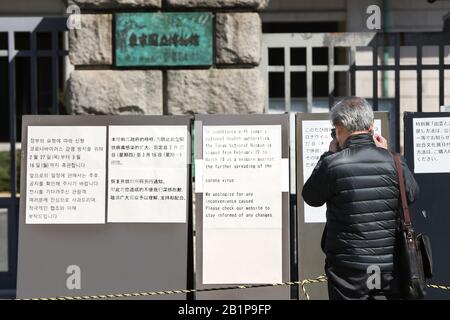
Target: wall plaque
x,y
163,39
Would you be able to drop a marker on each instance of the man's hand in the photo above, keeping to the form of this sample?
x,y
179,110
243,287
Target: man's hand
x,y
380,142
333,146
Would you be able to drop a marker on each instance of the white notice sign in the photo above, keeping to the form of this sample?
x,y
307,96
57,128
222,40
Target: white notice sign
x,y
147,176
242,173
431,138
316,135
66,175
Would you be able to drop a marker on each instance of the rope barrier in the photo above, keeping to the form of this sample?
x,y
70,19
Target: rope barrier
x,y
302,284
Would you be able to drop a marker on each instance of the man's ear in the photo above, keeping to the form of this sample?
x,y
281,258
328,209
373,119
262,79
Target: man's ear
x,y
371,130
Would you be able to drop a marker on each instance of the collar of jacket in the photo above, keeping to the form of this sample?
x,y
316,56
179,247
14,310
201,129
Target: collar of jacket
x,y
359,140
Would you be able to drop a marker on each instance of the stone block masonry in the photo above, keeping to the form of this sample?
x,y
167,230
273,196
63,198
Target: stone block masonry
x,y
114,4
233,84
226,91
92,43
115,92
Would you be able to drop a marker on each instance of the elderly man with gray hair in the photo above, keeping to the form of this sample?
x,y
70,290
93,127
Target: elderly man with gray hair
x,y
357,179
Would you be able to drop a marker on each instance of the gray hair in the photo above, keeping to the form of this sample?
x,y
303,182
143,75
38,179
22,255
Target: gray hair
x,y
354,113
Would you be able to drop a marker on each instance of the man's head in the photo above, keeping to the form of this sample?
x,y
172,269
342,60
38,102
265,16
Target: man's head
x,y
352,115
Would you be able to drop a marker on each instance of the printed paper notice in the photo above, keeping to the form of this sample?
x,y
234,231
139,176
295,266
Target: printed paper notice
x,y
431,140
316,138
66,175
242,204
147,177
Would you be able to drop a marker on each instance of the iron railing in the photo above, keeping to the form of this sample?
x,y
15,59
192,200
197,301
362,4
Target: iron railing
x,y
353,41
31,25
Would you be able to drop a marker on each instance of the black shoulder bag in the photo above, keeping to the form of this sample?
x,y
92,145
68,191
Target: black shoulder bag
x,y
414,251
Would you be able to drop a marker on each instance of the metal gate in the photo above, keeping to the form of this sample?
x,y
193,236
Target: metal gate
x,y
296,54
351,42
29,39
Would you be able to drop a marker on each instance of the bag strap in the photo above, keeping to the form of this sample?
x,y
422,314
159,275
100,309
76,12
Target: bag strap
x,y
401,181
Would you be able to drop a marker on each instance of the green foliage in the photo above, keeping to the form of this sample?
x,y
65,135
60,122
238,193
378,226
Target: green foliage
x,y
5,170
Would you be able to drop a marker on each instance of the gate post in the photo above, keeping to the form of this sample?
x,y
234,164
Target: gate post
x,y
230,83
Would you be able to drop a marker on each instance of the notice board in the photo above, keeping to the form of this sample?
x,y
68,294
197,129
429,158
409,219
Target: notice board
x,y
242,205
104,206
427,152
313,136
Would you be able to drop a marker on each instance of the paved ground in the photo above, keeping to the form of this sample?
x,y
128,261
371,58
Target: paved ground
x,y
3,240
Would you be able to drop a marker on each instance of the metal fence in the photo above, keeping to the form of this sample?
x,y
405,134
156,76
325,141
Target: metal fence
x,y
32,27
352,42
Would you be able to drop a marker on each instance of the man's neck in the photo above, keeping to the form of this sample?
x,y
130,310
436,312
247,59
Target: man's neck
x,y
359,132
356,133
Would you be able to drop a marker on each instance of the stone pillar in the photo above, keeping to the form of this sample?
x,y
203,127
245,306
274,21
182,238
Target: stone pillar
x,y
233,84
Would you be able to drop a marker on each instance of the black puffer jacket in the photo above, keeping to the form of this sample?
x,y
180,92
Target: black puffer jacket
x,y
360,187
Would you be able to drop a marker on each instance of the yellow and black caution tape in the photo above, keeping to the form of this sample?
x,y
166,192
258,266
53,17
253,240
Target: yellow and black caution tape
x,y
301,283
321,278
436,286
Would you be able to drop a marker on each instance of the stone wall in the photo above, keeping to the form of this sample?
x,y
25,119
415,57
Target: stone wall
x,y
233,84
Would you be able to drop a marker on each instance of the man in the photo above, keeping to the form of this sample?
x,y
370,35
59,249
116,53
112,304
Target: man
x,y
357,179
